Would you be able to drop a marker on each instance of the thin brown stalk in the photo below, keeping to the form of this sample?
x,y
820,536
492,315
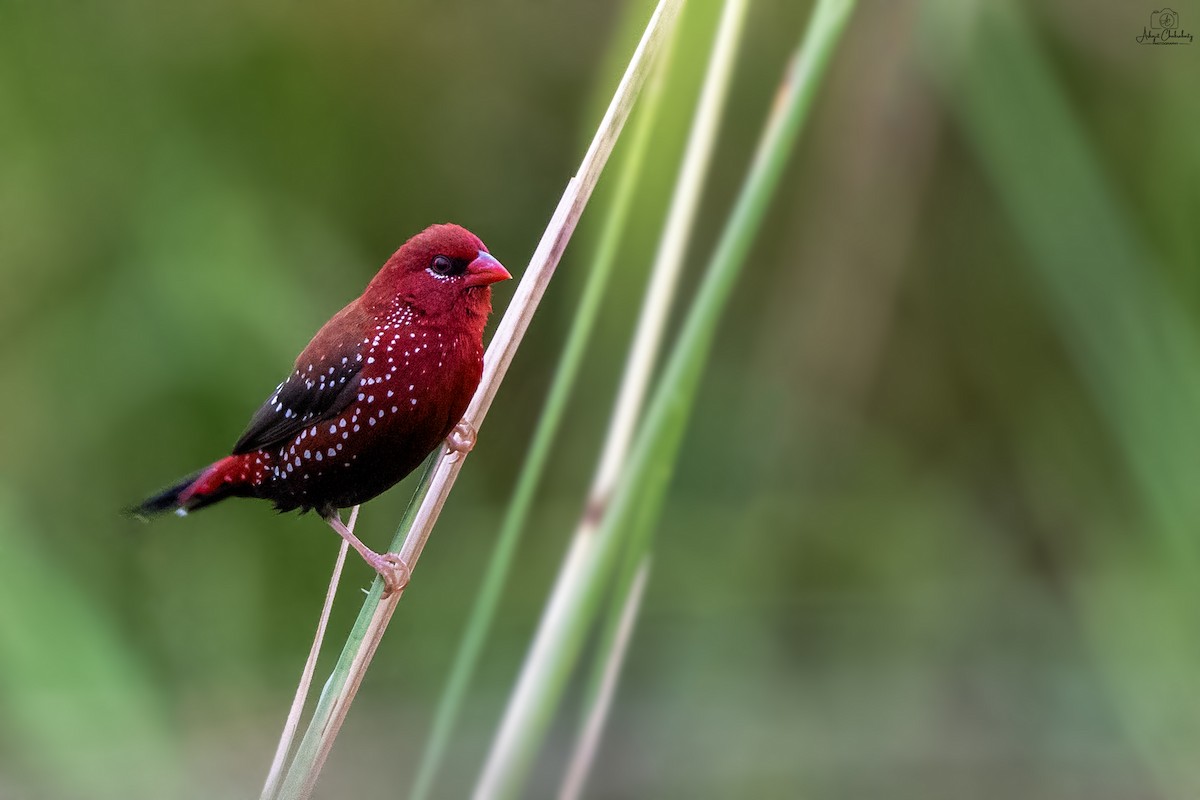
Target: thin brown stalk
x,y
271,786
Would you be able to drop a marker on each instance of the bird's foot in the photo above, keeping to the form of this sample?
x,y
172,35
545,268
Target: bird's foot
x,y
462,439
392,569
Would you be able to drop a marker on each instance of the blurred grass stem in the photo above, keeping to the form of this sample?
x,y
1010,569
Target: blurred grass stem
x,y
293,719
573,606
613,657
668,261
643,353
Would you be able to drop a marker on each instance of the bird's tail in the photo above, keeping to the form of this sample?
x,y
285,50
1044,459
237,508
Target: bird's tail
x,y
210,485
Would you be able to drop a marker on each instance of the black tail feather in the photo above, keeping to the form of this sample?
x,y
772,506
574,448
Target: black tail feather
x,y
168,499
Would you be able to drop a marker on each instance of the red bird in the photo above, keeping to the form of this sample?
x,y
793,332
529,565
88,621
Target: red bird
x,y
373,393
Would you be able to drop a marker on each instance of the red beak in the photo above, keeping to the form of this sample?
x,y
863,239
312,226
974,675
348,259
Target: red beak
x,y
485,270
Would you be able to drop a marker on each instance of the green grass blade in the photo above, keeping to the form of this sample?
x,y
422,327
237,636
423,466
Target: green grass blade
x,y
567,621
669,258
643,353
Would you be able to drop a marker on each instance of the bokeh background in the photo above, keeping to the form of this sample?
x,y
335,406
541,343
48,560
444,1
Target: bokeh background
x,y
934,530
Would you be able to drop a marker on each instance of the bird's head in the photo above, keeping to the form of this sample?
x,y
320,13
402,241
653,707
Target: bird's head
x,y
443,270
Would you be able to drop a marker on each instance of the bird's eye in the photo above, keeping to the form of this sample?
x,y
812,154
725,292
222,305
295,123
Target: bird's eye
x,y
442,265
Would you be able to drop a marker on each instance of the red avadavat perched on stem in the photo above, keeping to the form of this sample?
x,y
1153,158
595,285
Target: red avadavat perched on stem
x,y
374,392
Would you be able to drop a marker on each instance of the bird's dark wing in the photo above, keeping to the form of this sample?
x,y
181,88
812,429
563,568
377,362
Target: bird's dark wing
x,y
324,381
318,388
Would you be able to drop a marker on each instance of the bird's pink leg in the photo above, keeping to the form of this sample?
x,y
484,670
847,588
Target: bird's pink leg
x,y
462,438
391,568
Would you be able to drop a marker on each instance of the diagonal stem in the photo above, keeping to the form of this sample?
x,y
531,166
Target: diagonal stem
x,y
517,739
579,591
668,261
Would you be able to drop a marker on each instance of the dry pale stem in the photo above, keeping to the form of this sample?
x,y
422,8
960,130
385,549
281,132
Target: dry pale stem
x,y
293,719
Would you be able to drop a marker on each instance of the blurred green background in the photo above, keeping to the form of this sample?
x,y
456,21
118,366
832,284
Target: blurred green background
x,y
934,532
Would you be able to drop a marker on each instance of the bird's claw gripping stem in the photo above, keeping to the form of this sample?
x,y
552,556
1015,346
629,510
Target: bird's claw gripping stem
x,y
462,439
392,569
